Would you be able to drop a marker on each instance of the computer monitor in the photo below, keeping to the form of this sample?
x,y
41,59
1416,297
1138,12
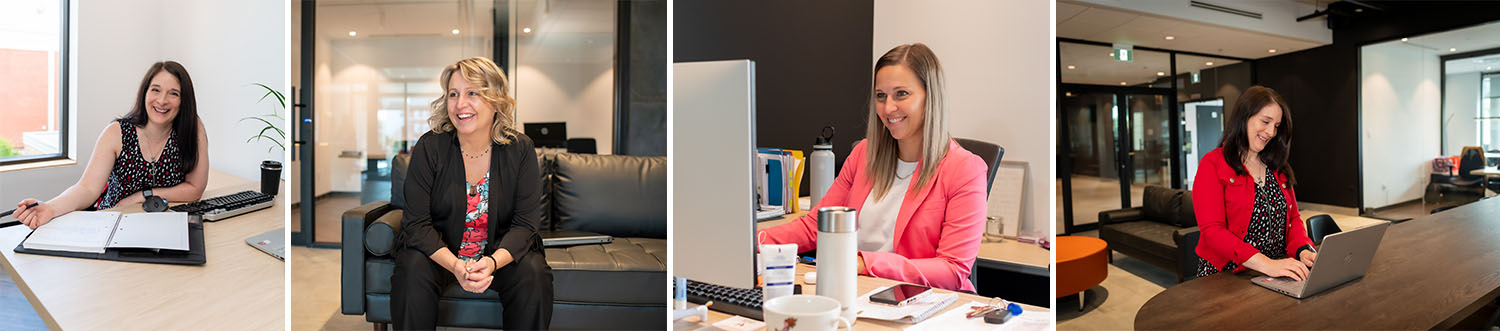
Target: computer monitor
x,y
550,134
713,157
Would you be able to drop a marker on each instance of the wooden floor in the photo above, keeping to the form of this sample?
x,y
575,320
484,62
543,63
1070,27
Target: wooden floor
x,y
315,288
15,312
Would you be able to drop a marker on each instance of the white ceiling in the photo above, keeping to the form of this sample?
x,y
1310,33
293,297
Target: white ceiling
x,y
1092,64
565,31
1086,21
561,31
1464,40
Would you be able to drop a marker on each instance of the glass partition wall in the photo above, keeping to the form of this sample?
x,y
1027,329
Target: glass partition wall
x,y
1134,121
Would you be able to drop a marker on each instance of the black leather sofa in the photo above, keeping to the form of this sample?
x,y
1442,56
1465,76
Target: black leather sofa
x,y
620,285
1153,231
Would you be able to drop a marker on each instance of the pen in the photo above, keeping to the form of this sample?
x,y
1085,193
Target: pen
x,y
12,211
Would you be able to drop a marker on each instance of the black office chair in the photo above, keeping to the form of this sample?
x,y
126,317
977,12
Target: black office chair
x,y
1321,226
991,153
582,146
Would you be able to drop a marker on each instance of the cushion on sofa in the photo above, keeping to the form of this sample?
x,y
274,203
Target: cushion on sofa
x,y
380,235
1160,204
617,195
1185,217
1151,237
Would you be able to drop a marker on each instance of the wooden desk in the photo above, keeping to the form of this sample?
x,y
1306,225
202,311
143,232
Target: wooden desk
x,y
1429,273
1488,173
239,288
866,284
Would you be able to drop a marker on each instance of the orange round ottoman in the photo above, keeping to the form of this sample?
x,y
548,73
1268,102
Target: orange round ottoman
x,y
1082,263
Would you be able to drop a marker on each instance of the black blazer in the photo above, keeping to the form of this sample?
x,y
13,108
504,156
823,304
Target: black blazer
x,y
435,204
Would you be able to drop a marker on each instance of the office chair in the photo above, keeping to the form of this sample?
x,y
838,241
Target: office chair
x,y
1321,226
991,154
1461,188
582,146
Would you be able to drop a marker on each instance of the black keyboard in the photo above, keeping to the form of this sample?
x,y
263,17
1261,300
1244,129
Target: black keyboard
x,y
222,207
730,300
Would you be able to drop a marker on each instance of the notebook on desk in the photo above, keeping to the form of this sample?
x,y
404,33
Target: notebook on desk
x,y
138,237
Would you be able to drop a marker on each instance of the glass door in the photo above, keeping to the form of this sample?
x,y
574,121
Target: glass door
x,y
1114,143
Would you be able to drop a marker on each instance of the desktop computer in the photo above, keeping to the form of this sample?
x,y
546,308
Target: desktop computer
x,y
713,162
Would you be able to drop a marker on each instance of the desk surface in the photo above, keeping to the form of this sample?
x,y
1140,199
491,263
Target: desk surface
x,y
866,284
1007,254
1486,171
239,288
1429,273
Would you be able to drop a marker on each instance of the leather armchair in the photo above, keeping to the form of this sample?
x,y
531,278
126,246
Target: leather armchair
x,y
620,285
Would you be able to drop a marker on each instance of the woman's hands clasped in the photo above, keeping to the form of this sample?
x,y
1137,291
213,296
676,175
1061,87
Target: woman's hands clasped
x,y
474,275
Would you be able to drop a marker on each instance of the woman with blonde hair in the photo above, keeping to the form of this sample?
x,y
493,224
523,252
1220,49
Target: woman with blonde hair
x,y
473,206
920,197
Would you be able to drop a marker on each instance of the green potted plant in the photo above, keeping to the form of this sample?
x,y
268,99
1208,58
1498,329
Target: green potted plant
x,y
270,170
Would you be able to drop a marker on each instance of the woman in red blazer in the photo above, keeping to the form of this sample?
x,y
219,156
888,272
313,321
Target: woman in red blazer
x,y
920,197
1243,197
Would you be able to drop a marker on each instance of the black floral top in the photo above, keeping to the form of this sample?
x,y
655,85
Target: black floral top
x,y
132,173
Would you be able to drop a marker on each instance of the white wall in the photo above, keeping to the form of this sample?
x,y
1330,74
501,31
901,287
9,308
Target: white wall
x,y
1460,106
114,42
1399,111
581,94
997,57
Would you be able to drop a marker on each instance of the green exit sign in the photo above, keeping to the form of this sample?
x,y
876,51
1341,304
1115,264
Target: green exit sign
x,y
1124,52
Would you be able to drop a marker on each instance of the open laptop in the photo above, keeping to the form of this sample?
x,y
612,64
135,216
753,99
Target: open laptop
x,y
273,242
562,238
1344,257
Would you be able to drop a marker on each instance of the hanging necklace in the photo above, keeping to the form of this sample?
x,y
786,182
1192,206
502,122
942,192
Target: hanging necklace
x,y
475,156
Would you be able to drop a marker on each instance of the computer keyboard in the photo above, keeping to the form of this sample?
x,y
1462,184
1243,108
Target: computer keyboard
x,y
222,207
730,300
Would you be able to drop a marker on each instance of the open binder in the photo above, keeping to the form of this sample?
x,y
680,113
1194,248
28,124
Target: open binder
x,y
169,238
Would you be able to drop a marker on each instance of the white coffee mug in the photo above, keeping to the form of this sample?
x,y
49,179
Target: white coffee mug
x,y
803,312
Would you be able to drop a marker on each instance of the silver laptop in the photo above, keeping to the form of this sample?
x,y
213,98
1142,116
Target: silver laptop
x,y
273,242
561,238
1345,256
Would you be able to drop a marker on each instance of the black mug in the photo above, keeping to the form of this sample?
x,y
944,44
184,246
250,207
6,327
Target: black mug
x,y
270,177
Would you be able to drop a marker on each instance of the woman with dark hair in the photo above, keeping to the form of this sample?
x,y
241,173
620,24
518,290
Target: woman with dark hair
x,y
1243,197
159,149
920,197
473,206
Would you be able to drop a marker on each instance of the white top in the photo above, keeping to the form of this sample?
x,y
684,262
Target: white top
x,y
877,220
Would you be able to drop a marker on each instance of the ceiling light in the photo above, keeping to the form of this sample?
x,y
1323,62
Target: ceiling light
x,y
1359,10
1208,63
526,30
1122,83
1169,37
1403,39
1068,94
1158,73
1072,67
455,31
1273,50
1452,49
352,33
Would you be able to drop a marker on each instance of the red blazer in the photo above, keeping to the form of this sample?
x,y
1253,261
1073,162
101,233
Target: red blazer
x,y
1222,201
938,228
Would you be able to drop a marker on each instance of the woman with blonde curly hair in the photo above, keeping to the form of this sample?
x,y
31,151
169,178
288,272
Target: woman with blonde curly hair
x,y
473,205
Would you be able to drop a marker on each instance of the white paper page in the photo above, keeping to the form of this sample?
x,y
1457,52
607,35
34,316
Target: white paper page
x,y
79,231
955,320
152,230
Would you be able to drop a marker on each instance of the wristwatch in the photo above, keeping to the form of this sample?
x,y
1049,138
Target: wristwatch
x,y
153,203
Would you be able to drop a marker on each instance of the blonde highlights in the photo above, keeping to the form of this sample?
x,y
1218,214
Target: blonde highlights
x,y
880,147
492,86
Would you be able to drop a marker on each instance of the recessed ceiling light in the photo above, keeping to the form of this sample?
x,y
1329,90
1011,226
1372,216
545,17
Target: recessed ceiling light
x,y
455,31
1158,73
1359,10
1122,83
1452,49
1072,67
1068,94
1208,63
1169,37
526,30
1403,39
352,33
1273,50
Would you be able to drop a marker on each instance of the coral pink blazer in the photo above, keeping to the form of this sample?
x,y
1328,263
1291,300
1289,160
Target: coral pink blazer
x,y
938,229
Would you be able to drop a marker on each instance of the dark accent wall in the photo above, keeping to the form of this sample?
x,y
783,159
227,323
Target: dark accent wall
x,y
812,63
643,101
1321,86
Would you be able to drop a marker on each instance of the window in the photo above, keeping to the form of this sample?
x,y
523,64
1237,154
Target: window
x,y
33,93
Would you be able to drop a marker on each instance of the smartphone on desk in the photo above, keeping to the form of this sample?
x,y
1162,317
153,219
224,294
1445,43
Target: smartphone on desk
x,y
899,295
